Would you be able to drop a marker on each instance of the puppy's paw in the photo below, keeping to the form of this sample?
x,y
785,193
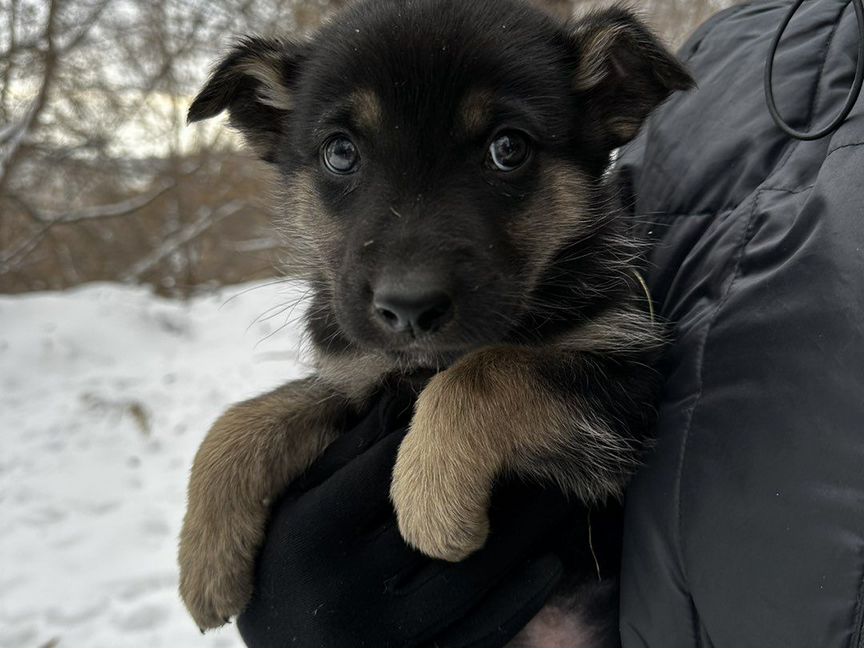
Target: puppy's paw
x,y
248,457
217,561
223,527
441,484
216,569
437,513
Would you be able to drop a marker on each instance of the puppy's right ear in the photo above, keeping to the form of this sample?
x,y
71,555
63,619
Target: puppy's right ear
x,y
624,72
255,83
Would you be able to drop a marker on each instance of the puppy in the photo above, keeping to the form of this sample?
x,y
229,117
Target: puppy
x,y
442,191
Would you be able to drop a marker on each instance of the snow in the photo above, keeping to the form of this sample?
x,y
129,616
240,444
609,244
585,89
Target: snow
x,y
105,393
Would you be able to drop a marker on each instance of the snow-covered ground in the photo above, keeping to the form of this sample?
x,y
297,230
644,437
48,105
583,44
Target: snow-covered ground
x,y
105,394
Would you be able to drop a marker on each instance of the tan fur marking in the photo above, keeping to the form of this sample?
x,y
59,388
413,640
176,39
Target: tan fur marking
x,y
624,128
620,330
307,230
367,110
470,423
475,112
250,454
598,60
356,375
562,206
273,91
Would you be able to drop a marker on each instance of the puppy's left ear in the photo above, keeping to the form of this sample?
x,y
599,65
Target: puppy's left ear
x,y
623,71
255,84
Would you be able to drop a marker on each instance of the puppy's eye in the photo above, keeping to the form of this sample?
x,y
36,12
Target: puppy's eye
x,y
341,155
509,151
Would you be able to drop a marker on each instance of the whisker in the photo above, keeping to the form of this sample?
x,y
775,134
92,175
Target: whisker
x,y
256,287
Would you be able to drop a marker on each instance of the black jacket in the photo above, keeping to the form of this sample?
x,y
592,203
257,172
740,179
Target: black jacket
x,y
746,527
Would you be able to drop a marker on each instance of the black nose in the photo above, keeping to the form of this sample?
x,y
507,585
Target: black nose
x,y
403,308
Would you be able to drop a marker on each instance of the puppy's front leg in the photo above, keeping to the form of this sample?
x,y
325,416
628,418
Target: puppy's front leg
x,y
250,454
544,413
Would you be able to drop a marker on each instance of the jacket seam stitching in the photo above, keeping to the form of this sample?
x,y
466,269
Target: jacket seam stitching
x,y
817,94
679,477
697,634
793,144
719,212
790,190
843,146
857,639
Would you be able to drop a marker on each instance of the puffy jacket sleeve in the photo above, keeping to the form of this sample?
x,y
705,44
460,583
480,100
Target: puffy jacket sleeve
x,y
746,526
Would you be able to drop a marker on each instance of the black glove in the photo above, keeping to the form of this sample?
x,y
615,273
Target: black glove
x,y
335,573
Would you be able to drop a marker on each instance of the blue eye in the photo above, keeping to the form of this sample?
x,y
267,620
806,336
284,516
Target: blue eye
x,y
509,151
341,155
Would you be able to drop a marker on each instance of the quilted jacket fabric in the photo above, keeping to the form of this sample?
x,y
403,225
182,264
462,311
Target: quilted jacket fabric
x,y
746,526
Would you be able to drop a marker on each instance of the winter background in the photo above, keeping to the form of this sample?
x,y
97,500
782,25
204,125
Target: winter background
x,y
105,393
137,299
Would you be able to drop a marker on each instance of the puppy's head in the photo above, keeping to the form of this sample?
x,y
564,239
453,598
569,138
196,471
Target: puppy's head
x,y
441,160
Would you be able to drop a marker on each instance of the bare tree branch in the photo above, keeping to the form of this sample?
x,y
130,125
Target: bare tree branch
x,y
9,157
263,244
99,212
11,260
204,222
7,58
88,22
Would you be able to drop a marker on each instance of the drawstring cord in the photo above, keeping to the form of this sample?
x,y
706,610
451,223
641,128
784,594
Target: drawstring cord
x,y
850,100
